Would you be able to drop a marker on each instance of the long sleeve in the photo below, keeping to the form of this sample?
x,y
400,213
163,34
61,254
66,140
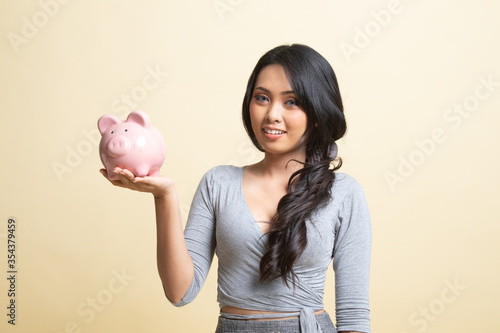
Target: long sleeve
x,y
200,237
351,262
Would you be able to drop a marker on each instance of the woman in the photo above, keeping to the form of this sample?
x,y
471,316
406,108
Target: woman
x,y
275,225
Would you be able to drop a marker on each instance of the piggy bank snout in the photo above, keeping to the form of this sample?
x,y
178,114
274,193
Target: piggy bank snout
x,y
118,146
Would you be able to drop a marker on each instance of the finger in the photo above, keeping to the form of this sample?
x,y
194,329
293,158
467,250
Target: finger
x,y
128,174
116,182
104,173
143,179
124,174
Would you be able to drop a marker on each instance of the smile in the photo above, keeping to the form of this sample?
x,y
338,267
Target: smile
x,y
274,132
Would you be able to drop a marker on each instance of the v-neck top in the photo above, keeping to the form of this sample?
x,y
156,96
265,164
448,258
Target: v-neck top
x,y
221,222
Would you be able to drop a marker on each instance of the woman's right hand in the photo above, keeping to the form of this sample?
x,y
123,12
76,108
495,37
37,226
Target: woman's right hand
x,y
159,186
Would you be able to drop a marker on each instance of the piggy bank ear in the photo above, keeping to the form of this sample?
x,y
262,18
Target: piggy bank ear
x,y
139,118
106,122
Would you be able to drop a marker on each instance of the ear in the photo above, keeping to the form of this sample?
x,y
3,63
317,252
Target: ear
x,y
139,118
106,121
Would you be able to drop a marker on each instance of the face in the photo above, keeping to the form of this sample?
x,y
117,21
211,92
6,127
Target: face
x,y
277,120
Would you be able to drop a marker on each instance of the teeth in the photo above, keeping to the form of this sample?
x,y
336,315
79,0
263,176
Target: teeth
x,y
273,131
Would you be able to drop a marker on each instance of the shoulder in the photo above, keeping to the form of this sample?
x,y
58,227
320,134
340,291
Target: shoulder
x,y
218,182
223,172
346,185
350,196
223,176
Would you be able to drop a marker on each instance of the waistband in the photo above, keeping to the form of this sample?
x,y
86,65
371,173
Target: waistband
x,y
307,319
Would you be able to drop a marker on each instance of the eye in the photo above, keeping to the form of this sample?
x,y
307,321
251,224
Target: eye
x,y
112,132
261,98
126,130
292,102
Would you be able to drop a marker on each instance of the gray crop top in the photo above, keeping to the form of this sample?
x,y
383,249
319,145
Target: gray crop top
x,y
220,221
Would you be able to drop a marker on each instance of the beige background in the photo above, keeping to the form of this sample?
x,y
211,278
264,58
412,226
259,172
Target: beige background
x,y
434,204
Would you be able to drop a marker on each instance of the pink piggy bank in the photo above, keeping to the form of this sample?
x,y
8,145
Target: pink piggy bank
x,y
134,145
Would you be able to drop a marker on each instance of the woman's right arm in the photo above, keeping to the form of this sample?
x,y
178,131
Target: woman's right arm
x,y
175,265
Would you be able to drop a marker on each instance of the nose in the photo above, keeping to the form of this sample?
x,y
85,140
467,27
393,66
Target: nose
x,y
119,146
274,113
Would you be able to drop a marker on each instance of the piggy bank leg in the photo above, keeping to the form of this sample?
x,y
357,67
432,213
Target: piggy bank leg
x,y
141,171
154,172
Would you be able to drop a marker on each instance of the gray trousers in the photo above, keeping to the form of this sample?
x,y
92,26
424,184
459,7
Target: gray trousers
x,y
271,326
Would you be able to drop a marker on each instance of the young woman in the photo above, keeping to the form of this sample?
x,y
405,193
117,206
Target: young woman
x,y
275,225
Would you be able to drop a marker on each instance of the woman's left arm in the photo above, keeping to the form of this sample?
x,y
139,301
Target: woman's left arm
x,y
351,260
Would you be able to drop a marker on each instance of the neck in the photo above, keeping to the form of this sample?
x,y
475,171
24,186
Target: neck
x,y
280,166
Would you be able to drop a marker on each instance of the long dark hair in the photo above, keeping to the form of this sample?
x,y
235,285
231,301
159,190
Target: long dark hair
x,y
315,85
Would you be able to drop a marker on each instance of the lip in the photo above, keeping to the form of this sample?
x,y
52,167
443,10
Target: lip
x,y
270,128
273,136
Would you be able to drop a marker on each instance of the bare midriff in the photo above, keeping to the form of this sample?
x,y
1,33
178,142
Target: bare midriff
x,y
238,311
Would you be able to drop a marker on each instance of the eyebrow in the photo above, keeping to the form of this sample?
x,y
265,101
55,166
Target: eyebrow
x,y
288,92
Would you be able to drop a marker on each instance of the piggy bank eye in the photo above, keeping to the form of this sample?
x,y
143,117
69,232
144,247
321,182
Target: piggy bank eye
x,y
126,130
112,132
